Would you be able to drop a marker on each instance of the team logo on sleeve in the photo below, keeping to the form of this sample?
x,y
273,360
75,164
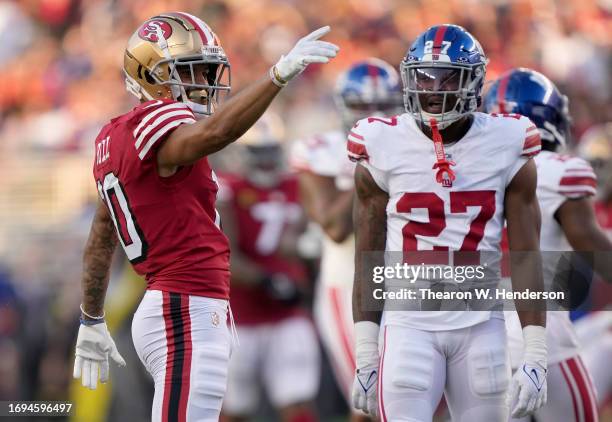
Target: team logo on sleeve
x,y
150,30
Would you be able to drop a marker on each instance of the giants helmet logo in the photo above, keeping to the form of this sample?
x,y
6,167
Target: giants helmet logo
x,y
150,30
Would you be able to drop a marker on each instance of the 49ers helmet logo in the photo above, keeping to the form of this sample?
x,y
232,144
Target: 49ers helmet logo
x,y
149,31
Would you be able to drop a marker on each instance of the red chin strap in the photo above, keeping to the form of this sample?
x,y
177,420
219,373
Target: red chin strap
x,y
445,175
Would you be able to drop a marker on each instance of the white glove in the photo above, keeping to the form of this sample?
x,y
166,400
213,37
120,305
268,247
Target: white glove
x,y
529,381
366,378
94,345
306,51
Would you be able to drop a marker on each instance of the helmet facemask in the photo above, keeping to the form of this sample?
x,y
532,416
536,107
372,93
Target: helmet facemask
x,y
452,90
196,80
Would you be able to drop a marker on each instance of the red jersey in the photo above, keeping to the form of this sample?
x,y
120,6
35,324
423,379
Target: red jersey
x,y
262,215
603,292
604,216
168,226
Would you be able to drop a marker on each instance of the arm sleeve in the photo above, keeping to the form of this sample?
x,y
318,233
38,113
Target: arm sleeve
x,y
362,150
155,122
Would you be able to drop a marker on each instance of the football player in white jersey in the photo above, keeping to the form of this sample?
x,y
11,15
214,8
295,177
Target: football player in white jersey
x,y
565,187
482,174
326,184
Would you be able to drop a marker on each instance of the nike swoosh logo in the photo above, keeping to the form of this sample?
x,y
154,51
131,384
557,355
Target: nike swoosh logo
x,y
534,377
369,382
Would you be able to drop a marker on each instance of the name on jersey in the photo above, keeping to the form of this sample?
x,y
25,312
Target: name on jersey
x,y
103,150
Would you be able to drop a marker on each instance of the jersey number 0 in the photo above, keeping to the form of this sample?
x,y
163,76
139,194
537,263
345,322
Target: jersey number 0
x,y
129,232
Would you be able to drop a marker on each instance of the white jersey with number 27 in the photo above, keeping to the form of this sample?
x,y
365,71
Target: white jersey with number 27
x,y
424,215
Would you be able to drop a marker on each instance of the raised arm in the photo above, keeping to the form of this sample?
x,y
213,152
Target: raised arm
x,y
327,206
188,143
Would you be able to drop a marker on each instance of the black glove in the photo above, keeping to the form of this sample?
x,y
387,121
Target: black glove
x,y
280,287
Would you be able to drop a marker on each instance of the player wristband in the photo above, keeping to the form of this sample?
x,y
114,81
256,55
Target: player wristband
x,y
366,342
366,332
95,318
534,337
89,322
276,79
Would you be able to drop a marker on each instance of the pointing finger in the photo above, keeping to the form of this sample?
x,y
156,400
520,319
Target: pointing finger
x,y
317,33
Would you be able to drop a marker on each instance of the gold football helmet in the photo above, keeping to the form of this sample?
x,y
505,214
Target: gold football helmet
x,y
177,56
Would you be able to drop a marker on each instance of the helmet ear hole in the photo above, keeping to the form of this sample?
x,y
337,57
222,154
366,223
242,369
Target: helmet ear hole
x,y
149,78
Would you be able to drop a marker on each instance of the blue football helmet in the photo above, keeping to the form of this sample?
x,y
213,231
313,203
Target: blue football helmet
x,y
531,94
443,74
368,88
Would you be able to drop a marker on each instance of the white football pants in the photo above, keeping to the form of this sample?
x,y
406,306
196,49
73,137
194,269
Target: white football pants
x,y
184,342
469,365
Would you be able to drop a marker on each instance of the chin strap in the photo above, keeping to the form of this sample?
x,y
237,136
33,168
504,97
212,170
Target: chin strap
x,y
445,175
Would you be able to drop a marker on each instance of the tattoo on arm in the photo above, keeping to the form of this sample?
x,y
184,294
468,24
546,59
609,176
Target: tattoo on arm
x,y
97,259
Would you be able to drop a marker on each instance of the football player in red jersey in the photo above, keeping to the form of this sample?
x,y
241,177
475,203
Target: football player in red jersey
x,y
157,195
262,218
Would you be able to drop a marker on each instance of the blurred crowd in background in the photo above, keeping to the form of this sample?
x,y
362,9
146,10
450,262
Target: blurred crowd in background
x,y
61,80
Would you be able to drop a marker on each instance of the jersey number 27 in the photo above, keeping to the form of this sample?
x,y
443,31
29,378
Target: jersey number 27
x,y
459,201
